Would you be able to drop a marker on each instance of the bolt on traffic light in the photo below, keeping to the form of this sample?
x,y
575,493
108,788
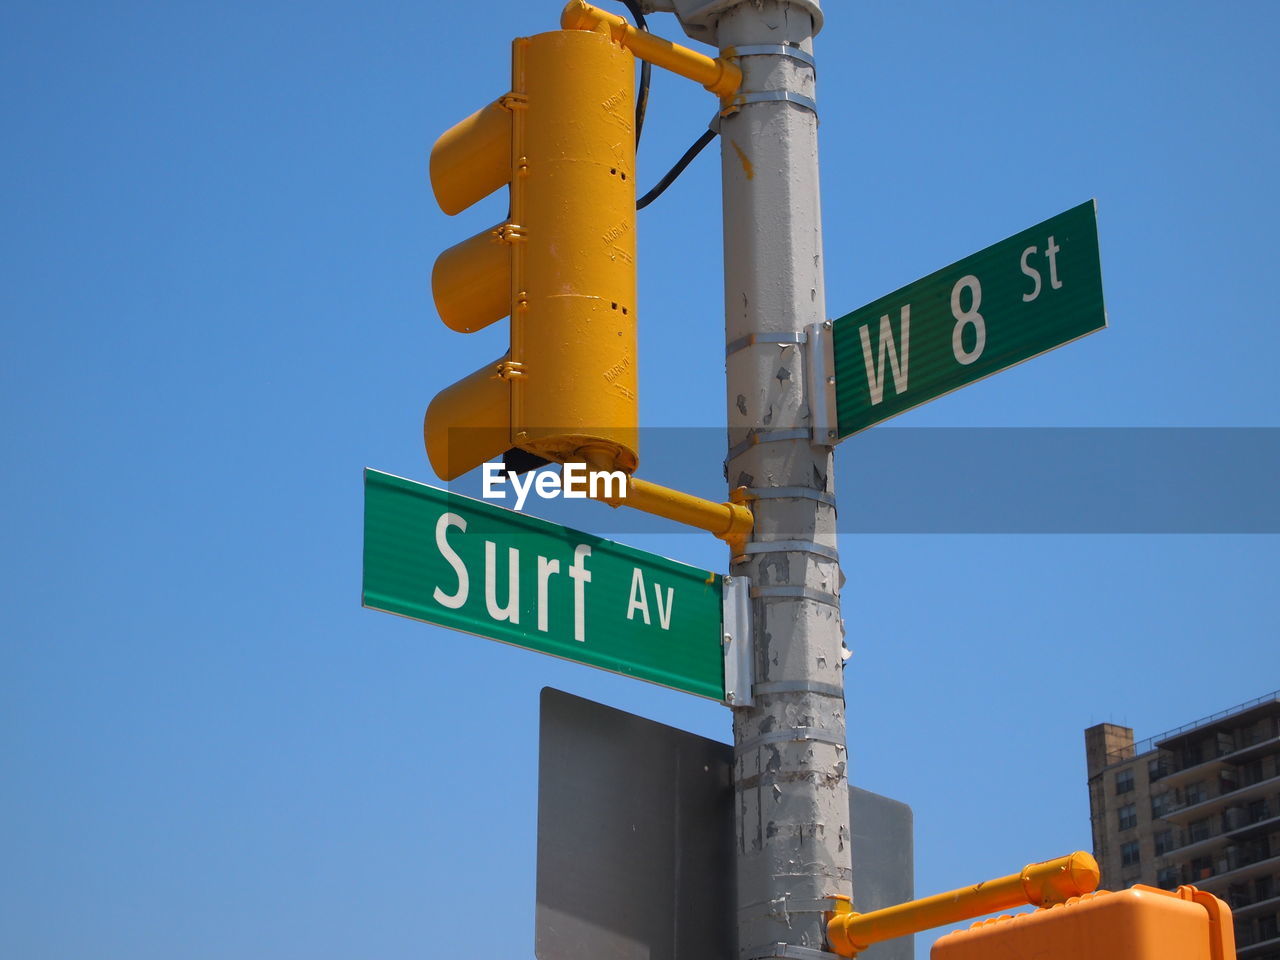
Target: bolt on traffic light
x,y
562,265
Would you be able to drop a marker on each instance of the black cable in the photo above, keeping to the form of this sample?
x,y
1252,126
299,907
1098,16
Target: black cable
x,y
642,94
675,171
642,103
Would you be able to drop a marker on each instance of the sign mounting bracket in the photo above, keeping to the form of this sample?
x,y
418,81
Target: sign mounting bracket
x,y
739,650
820,383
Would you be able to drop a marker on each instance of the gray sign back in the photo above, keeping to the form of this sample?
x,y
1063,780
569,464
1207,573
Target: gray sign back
x,y
636,841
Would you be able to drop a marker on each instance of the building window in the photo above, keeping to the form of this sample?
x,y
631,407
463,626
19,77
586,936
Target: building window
x,y
1267,929
1129,855
1160,805
1244,933
1124,781
1262,888
1196,793
1164,842
1128,816
1257,811
1167,878
1198,830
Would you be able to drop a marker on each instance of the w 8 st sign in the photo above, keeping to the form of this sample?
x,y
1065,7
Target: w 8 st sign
x,y
1015,300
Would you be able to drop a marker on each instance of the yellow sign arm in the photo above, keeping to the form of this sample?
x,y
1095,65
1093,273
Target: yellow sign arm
x,y
715,73
1039,884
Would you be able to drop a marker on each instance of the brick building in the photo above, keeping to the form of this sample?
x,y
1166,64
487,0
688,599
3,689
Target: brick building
x,y
1200,805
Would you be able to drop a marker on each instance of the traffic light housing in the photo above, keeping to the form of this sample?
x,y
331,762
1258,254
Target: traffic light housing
x,y
1140,923
562,264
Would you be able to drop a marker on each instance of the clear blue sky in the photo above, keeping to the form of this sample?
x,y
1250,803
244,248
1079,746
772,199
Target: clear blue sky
x,y
217,240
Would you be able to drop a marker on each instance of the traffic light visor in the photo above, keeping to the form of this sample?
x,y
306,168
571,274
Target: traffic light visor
x,y
472,158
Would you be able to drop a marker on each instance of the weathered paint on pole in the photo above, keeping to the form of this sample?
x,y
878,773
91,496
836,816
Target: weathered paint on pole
x,y
790,778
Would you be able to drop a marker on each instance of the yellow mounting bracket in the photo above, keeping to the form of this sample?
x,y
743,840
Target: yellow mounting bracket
x,y
1038,884
731,522
715,73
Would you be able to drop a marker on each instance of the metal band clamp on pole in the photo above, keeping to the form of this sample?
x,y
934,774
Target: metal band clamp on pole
x,y
772,96
751,339
790,493
772,49
792,735
800,686
794,546
797,593
787,951
768,436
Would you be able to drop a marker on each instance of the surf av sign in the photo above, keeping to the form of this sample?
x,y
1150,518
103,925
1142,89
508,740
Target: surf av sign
x,y
451,560
1015,300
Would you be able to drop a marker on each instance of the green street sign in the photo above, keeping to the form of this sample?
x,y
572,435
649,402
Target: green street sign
x,y
458,562
1015,300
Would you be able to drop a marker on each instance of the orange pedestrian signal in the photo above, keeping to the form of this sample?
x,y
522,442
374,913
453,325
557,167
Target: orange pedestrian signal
x,y
1140,923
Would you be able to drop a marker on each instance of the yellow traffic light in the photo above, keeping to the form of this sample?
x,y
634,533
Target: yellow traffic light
x,y
562,265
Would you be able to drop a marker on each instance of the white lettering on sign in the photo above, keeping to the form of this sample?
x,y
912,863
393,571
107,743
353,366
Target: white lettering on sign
x,y
664,611
1051,254
1051,251
546,569
512,610
875,370
970,317
509,610
455,600
581,577
639,601
1031,272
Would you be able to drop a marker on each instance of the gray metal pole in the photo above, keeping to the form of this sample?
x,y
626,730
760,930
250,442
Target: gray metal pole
x,y
791,787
